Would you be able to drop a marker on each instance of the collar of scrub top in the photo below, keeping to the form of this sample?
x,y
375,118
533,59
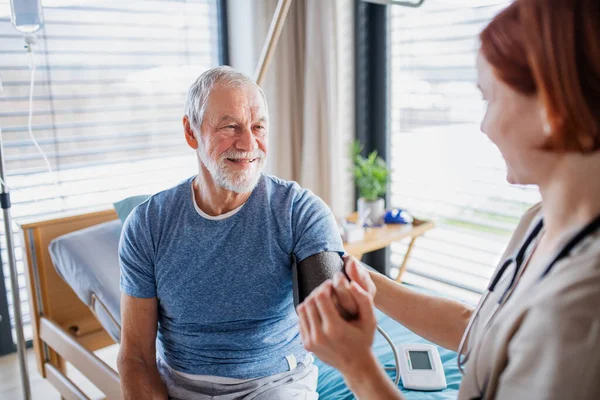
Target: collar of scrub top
x,y
520,257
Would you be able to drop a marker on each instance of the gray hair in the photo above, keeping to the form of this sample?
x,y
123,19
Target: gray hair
x,y
199,92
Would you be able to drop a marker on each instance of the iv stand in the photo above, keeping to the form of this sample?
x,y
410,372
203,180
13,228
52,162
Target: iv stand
x,y
12,266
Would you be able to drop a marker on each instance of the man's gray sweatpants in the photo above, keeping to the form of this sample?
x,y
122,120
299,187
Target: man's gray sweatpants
x,y
298,384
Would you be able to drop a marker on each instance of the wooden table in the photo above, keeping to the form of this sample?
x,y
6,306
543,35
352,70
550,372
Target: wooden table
x,y
381,237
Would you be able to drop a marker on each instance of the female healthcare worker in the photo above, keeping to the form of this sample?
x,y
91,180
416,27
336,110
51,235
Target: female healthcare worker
x,y
535,333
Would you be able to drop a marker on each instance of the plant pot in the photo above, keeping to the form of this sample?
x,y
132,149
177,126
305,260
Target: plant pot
x,y
375,208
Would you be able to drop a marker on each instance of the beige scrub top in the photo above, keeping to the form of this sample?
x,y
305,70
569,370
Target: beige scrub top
x,y
544,342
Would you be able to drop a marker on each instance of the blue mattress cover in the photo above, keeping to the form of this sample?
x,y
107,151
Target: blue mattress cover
x,y
332,386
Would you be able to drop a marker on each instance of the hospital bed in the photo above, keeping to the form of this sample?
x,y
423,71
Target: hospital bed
x,y
73,280
70,321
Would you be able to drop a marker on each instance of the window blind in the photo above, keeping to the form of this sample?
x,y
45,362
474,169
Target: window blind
x,y
110,83
444,168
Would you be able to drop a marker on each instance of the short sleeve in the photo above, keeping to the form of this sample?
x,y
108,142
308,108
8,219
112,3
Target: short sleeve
x,y
314,227
135,257
554,354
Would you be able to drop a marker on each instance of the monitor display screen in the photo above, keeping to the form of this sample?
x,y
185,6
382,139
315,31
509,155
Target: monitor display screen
x,y
420,360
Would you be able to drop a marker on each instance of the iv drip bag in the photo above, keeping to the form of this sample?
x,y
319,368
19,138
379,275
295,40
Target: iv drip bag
x,y
26,15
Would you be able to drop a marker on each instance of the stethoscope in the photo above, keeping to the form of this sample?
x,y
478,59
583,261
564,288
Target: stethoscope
x,y
520,257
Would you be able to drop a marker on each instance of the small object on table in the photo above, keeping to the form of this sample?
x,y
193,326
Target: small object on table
x,y
351,232
376,238
363,219
397,216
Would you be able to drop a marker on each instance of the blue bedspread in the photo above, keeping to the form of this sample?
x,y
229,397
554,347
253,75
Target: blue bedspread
x,y
332,386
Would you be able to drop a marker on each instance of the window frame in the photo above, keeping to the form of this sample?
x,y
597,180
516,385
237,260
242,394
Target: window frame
x,y
372,95
7,345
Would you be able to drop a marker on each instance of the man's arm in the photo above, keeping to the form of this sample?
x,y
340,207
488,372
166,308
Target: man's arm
x,y
317,244
137,355
314,270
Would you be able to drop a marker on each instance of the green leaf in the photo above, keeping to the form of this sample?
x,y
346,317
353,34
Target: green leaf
x,y
371,174
373,157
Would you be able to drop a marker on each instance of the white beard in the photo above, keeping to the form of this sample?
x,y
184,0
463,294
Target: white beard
x,y
234,181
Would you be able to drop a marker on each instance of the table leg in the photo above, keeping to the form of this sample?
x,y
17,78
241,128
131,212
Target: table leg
x,y
405,261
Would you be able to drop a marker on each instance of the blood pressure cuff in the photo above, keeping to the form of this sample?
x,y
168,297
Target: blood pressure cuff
x,y
311,272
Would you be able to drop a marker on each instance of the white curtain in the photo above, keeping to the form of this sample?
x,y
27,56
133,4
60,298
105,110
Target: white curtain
x,y
310,90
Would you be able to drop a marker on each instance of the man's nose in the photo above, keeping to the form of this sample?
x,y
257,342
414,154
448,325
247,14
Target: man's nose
x,y
246,141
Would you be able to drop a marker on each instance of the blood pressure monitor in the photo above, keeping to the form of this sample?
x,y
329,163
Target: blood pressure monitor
x,y
421,367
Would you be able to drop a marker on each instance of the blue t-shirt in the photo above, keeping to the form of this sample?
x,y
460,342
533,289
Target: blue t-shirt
x,y
224,287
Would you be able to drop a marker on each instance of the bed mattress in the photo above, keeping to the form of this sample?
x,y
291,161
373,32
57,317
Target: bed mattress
x,y
88,261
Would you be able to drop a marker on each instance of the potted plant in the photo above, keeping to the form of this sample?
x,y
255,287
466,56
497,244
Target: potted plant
x,y
371,176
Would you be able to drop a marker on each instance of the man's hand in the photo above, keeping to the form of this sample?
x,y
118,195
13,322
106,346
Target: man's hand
x,y
345,345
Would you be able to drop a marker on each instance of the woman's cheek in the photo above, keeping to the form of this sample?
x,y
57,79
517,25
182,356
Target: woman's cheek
x,y
485,122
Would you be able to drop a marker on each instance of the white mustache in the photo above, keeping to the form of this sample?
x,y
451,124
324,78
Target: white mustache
x,y
257,154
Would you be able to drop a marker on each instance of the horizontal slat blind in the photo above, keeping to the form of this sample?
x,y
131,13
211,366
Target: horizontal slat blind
x,y
110,83
444,168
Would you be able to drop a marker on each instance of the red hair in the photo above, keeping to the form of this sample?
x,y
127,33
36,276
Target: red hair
x,y
551,49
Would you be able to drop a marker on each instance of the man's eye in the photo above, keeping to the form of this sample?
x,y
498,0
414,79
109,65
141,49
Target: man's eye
x,y
260,130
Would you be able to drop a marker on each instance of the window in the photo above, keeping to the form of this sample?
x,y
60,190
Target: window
x,y
110,83
443,166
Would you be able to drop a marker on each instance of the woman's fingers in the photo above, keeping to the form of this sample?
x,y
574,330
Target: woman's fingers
x,y
365,303
347,306
303,323
314,319
325,333
359,274
355,271
330,317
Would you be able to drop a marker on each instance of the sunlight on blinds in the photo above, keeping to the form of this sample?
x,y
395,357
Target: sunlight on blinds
x,y
110,83
444,168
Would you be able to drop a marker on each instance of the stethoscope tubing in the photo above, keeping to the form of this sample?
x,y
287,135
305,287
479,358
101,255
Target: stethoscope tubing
x,y
566,250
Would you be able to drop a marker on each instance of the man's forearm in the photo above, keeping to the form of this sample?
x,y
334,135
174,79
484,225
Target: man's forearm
x,y
434,318
140,380
370,382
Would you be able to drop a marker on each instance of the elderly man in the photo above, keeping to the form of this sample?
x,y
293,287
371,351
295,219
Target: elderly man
x,y
206,266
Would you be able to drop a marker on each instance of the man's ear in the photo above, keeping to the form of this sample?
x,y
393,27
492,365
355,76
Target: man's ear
x,y
190,137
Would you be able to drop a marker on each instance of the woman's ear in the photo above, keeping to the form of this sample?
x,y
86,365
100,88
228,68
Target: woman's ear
x,y
190,136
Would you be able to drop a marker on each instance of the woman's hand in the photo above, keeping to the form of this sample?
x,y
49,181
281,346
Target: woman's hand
x,y
345,345
359,274
344,300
